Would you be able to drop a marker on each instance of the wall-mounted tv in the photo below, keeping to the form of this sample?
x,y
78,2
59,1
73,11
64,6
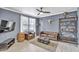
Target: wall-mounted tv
x,y
6,26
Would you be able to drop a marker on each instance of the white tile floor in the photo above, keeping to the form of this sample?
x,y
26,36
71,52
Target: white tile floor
x,y
67,47
28,47
25,47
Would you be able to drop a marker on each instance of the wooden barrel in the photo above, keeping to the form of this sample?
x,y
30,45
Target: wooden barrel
x,y
21,37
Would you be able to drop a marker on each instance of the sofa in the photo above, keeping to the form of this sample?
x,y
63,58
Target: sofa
x,y
31,35
51,35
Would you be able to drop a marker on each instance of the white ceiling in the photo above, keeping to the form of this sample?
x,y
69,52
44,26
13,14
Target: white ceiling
x,y
54,10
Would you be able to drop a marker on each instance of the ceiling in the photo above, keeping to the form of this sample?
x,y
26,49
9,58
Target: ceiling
x,y
33,12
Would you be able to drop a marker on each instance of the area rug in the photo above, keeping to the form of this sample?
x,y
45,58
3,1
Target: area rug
x,y
50,47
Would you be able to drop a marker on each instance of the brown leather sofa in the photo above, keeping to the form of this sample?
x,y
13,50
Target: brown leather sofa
x,y
51,35
31,36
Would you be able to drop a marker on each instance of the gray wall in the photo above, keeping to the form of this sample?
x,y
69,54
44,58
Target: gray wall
x,y
78,25
37,27
10,16
54,27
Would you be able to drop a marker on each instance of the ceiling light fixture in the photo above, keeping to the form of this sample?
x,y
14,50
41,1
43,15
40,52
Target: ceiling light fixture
x,y
41,11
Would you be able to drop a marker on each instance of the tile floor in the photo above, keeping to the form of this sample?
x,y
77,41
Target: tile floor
x,y
25,47
28,47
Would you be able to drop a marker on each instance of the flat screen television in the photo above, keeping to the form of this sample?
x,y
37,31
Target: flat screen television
x,y
6,26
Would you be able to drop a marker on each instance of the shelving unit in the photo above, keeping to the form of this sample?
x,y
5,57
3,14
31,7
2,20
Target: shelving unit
x,y
68,29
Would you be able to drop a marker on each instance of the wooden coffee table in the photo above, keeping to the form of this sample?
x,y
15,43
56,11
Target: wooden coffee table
x,y
44,40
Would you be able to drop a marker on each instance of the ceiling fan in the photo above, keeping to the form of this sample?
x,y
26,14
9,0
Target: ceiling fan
x,y
41,11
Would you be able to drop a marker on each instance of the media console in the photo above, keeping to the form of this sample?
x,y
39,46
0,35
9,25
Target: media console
x,y
7,43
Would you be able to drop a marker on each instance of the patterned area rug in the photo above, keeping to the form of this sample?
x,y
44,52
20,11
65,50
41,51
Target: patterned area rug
x,y
50,47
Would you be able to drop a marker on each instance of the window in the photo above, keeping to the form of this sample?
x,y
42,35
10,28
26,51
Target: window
x,y
31,25
24,24
27,24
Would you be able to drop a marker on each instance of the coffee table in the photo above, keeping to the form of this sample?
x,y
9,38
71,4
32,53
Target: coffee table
x,y
44,40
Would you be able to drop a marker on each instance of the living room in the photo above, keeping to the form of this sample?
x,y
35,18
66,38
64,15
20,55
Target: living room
x,y
39,29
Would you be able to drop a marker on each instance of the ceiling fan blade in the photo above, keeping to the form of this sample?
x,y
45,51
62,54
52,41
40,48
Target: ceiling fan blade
x,y
38,14
38,10
41,11
46,12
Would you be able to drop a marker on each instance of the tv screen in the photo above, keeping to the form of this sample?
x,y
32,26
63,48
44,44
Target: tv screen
x,y
3,23
6,25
